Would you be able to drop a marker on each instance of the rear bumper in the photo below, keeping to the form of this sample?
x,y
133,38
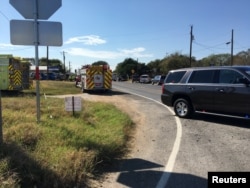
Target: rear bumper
x,y
145,81
165,99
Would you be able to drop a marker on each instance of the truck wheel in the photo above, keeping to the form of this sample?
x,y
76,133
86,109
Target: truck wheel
x,y
183,108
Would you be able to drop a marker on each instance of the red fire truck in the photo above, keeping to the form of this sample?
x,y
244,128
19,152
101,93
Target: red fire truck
x,y
94,77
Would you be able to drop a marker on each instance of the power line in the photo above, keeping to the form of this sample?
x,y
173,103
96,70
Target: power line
x,y
210,47
240,46
4,16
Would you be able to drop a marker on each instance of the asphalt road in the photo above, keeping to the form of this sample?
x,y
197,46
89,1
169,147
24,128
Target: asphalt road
x,y
177,152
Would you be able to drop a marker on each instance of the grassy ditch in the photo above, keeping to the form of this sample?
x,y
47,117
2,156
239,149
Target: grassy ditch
x,y
62,150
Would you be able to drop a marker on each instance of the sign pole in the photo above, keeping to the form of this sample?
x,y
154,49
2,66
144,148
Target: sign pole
x,y
36,9
36,60
1,121
73,105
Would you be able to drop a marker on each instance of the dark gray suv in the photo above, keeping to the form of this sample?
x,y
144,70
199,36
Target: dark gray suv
x,y
213,90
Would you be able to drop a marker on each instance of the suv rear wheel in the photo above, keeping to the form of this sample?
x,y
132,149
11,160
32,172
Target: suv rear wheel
x,y
182,108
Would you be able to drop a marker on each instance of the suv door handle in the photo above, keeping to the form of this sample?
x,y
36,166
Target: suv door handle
x,y
220,90
191,88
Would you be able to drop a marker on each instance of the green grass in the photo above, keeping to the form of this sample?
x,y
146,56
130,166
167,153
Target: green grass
x,y
62,150
55,87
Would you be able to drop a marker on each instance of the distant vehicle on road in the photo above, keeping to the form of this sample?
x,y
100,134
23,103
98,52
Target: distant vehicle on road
x,y
158,79
135,78
114,76
145,78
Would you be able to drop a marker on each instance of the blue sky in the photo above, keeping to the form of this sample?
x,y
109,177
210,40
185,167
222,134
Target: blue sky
x,y
146,30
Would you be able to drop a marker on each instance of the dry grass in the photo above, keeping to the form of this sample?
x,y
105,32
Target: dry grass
x,y
62,150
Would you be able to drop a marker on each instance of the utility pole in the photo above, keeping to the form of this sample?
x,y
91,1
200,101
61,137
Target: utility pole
x,y
63,53
232,44
191,42
69,67
64,62
47,62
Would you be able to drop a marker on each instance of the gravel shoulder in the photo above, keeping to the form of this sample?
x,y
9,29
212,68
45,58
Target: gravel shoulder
x,y
132,108
143,164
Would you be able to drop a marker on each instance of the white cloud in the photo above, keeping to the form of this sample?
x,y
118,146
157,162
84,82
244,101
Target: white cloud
x,y
87,40
4,45
8,48
135,52
92,53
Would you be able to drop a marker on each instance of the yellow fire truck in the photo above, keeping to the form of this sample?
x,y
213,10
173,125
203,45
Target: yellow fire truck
x,y
14,73
95,77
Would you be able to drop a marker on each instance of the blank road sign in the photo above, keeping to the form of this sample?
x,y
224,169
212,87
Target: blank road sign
x,y
73,103
22,32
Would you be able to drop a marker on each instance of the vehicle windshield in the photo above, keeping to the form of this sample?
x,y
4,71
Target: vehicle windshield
x,y
157,77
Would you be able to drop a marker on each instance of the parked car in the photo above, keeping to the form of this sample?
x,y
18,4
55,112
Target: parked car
x,y
114,77
135,78
145,78
32,75
52,76
212,90
158,79
45,76
122,78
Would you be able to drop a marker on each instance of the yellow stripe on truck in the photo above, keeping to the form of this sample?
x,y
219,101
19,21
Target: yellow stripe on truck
x,y
108,79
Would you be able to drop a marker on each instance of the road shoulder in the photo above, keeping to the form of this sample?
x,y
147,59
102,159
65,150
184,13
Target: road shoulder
x,y
143,164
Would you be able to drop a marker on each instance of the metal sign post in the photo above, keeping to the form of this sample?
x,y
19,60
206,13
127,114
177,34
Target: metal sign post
x,y
36,61
42,32
1,121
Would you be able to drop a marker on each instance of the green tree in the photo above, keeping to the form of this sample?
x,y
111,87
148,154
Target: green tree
x,y
127,67
215,60
174,61
100,63
177,60
154,67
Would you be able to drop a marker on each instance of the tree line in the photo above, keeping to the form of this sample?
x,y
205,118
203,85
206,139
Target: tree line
x,y
176,60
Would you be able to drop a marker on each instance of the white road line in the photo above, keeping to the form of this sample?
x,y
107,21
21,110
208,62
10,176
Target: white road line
x,y
171,161
172,158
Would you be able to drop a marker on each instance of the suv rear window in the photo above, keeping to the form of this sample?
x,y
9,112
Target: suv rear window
x,y
202,76
174,77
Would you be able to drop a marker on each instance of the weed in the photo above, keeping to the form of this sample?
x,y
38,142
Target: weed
x,y
62,150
